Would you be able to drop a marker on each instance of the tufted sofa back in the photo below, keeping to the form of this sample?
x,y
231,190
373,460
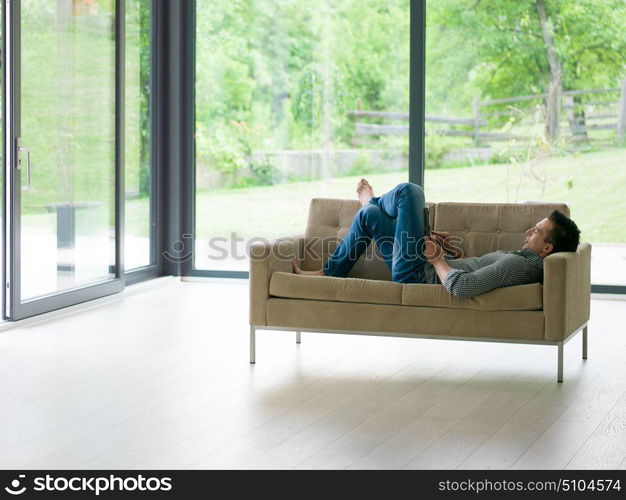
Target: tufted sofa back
x,y
478,228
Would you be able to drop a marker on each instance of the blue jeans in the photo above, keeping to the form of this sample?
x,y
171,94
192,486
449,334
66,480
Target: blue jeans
x,y
395,221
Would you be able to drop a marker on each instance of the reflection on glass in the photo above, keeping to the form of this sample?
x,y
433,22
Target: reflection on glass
x,y
294,100
68,124
137,135
534,109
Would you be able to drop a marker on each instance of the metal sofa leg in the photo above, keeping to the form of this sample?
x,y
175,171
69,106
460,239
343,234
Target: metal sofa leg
x,y
559,376
252,345
298,337
585,342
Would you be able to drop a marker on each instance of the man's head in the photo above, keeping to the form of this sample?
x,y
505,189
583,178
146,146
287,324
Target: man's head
x,y
555,233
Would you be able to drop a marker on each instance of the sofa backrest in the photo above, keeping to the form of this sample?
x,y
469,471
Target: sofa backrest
x,y
486,227
478,228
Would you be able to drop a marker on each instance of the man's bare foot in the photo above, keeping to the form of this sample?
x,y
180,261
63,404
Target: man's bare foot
x,y
297,270
365,191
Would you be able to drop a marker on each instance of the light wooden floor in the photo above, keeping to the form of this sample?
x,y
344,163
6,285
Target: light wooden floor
x,y
160,379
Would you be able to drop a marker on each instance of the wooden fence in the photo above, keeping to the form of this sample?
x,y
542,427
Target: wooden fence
x,y
578,115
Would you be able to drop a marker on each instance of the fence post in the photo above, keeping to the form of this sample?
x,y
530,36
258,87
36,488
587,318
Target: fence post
x,y
621,117
577,123
476,108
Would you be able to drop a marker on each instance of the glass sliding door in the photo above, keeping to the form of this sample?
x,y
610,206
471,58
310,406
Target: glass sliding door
x,y
293,100
138,179
63,140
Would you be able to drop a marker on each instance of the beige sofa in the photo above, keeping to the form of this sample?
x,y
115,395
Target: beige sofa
x,y
368,303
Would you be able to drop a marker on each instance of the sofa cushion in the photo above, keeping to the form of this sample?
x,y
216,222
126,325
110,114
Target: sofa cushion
x,y
300,286
513,298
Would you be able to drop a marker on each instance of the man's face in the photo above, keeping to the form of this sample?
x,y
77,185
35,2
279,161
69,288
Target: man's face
x,y
536,236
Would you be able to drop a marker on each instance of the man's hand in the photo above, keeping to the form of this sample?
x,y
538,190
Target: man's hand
x,y
443,238
434,254
443,234
440,238
432,250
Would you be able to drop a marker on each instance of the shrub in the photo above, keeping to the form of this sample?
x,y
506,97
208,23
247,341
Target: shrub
x,y
362,165
265,172
220,150
436,149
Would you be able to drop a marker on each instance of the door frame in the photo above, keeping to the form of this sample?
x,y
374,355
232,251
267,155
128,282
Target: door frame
x,y
13,307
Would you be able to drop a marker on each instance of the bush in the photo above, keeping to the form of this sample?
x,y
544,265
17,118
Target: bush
x,y
436,149
265,172
221,150
362,165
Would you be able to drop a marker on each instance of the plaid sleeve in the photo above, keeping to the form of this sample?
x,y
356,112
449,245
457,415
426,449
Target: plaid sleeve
x,y
465,284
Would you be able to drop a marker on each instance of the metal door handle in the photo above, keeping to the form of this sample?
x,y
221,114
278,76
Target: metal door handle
x,y
21,148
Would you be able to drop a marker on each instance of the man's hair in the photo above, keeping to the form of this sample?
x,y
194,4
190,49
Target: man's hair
x,y
565,235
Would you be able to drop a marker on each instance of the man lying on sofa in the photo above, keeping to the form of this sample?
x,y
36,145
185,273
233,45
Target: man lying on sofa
x,y
395,221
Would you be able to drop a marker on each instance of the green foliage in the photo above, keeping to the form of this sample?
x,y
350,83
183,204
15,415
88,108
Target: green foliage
x,y
67,104
362,165
436,148
145,68
290,70
506,55
281,74
224,151
307,103
137,97
265,172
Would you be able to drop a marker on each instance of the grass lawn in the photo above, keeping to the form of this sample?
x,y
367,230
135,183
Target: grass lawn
x,y
593,185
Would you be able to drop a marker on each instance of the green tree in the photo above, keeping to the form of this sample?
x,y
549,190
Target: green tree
x,y
281,74
504,49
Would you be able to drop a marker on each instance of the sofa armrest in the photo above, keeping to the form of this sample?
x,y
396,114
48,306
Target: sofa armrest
x,y
566,291
265,259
